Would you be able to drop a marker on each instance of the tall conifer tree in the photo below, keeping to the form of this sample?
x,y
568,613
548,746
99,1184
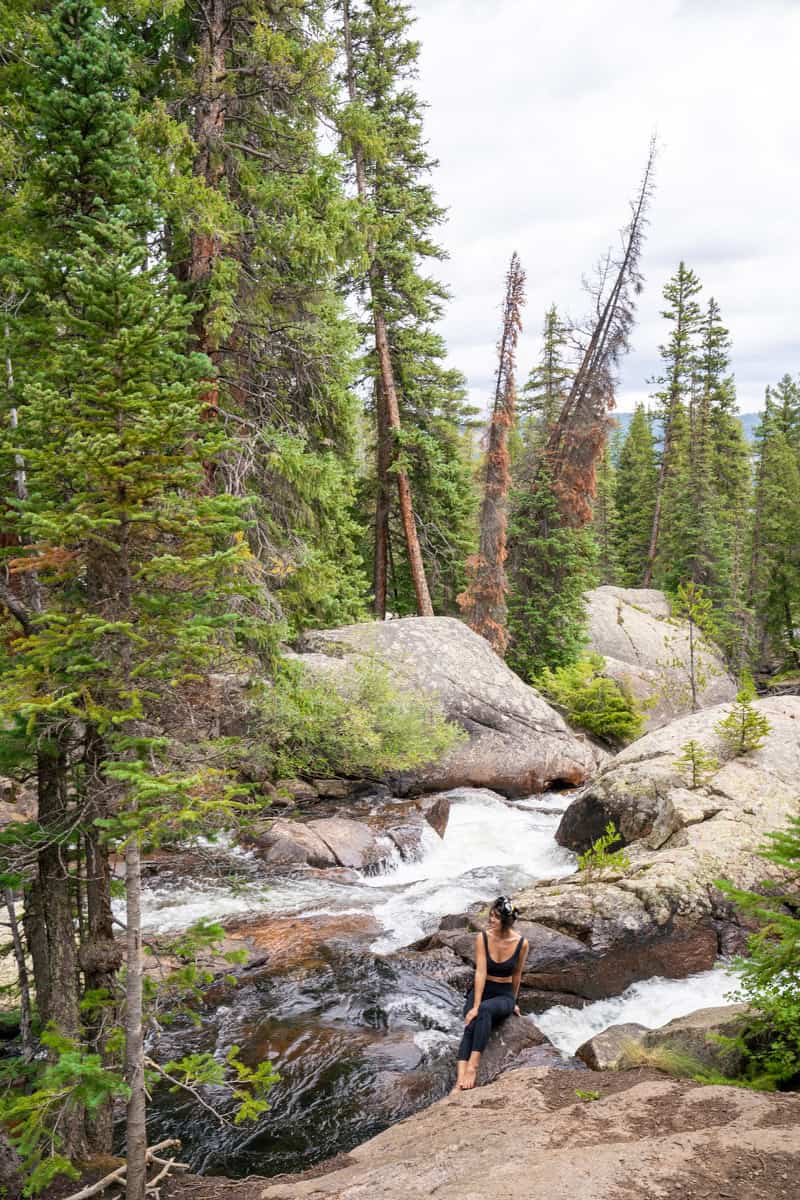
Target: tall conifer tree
x,y
774,581
257,230
679,358
418,403
637,477
140,568
542,398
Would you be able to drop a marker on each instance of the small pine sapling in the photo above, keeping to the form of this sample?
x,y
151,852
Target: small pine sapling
x,y
695,764
744,729
600,857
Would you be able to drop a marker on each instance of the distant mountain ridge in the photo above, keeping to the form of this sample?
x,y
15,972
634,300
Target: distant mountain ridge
x,y
749,420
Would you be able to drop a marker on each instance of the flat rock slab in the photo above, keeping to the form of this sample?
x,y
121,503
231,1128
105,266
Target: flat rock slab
x,y
517,744
528,1137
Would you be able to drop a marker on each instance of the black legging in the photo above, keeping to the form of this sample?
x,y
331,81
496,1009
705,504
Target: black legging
x,y
496,1005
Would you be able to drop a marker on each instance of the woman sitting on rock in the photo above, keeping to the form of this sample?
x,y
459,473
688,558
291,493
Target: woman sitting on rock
x,y
499,958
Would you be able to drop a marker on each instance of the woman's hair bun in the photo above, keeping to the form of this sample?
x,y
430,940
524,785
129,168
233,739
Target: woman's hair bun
x,y
506,910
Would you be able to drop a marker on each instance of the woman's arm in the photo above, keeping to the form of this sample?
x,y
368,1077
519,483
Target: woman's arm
x,y
480,979
517,977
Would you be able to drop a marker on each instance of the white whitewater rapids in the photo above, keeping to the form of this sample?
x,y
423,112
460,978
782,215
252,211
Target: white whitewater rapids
x,y
490,847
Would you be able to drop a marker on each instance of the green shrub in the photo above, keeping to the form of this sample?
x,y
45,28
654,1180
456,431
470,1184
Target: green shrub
x,y
593,702
599,856
364,725
769,977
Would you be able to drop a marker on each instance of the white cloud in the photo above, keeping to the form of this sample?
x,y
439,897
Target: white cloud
x,y
540,115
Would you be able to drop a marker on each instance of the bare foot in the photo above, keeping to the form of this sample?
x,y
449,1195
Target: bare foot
x,y
468,1081
455,1089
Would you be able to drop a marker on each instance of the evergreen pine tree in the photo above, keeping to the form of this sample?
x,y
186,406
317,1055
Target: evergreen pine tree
x,y
257,229
137,565
542,398
774,582
744,728
635,499
604,521
679,358
770,971
382,130
728,459
696,764
554,564
784,402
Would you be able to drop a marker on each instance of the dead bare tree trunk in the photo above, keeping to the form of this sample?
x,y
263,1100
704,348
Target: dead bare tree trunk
x,y
484,601
578,438
386,393
136,1112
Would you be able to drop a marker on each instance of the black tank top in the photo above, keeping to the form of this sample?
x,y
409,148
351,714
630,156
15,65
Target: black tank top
x,y
505,968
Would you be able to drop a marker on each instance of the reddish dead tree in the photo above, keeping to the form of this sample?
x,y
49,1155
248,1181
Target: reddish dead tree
x,y
484,601
578,438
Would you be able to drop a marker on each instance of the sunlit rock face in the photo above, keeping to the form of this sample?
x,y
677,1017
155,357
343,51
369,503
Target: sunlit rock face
x,y
647,651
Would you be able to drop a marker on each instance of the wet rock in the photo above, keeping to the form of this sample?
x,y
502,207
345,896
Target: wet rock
x,y
436,811
337,789
694,1035
285,943
441,963
633,630
509,1041
407,838
517,744
663,915
298,790
282,842
606,1051
352,843
527,1136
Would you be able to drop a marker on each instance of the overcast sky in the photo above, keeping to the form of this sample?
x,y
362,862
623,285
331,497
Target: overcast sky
x,y
540,115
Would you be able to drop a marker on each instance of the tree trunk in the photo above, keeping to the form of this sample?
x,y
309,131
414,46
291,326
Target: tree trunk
x,y
387,391
35,930
392,415
56,898
101,956
136,1113
382,506
26,1034
655,530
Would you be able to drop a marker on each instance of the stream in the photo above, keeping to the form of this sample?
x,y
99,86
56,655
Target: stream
x,y
359,1037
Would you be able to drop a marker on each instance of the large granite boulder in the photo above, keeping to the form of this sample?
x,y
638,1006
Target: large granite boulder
x,y
517,744
646,650
695,1036
607,1050
663,914
530,1136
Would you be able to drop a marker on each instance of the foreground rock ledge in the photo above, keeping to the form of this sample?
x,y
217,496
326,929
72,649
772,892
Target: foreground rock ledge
x,y
517,743
528,1137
